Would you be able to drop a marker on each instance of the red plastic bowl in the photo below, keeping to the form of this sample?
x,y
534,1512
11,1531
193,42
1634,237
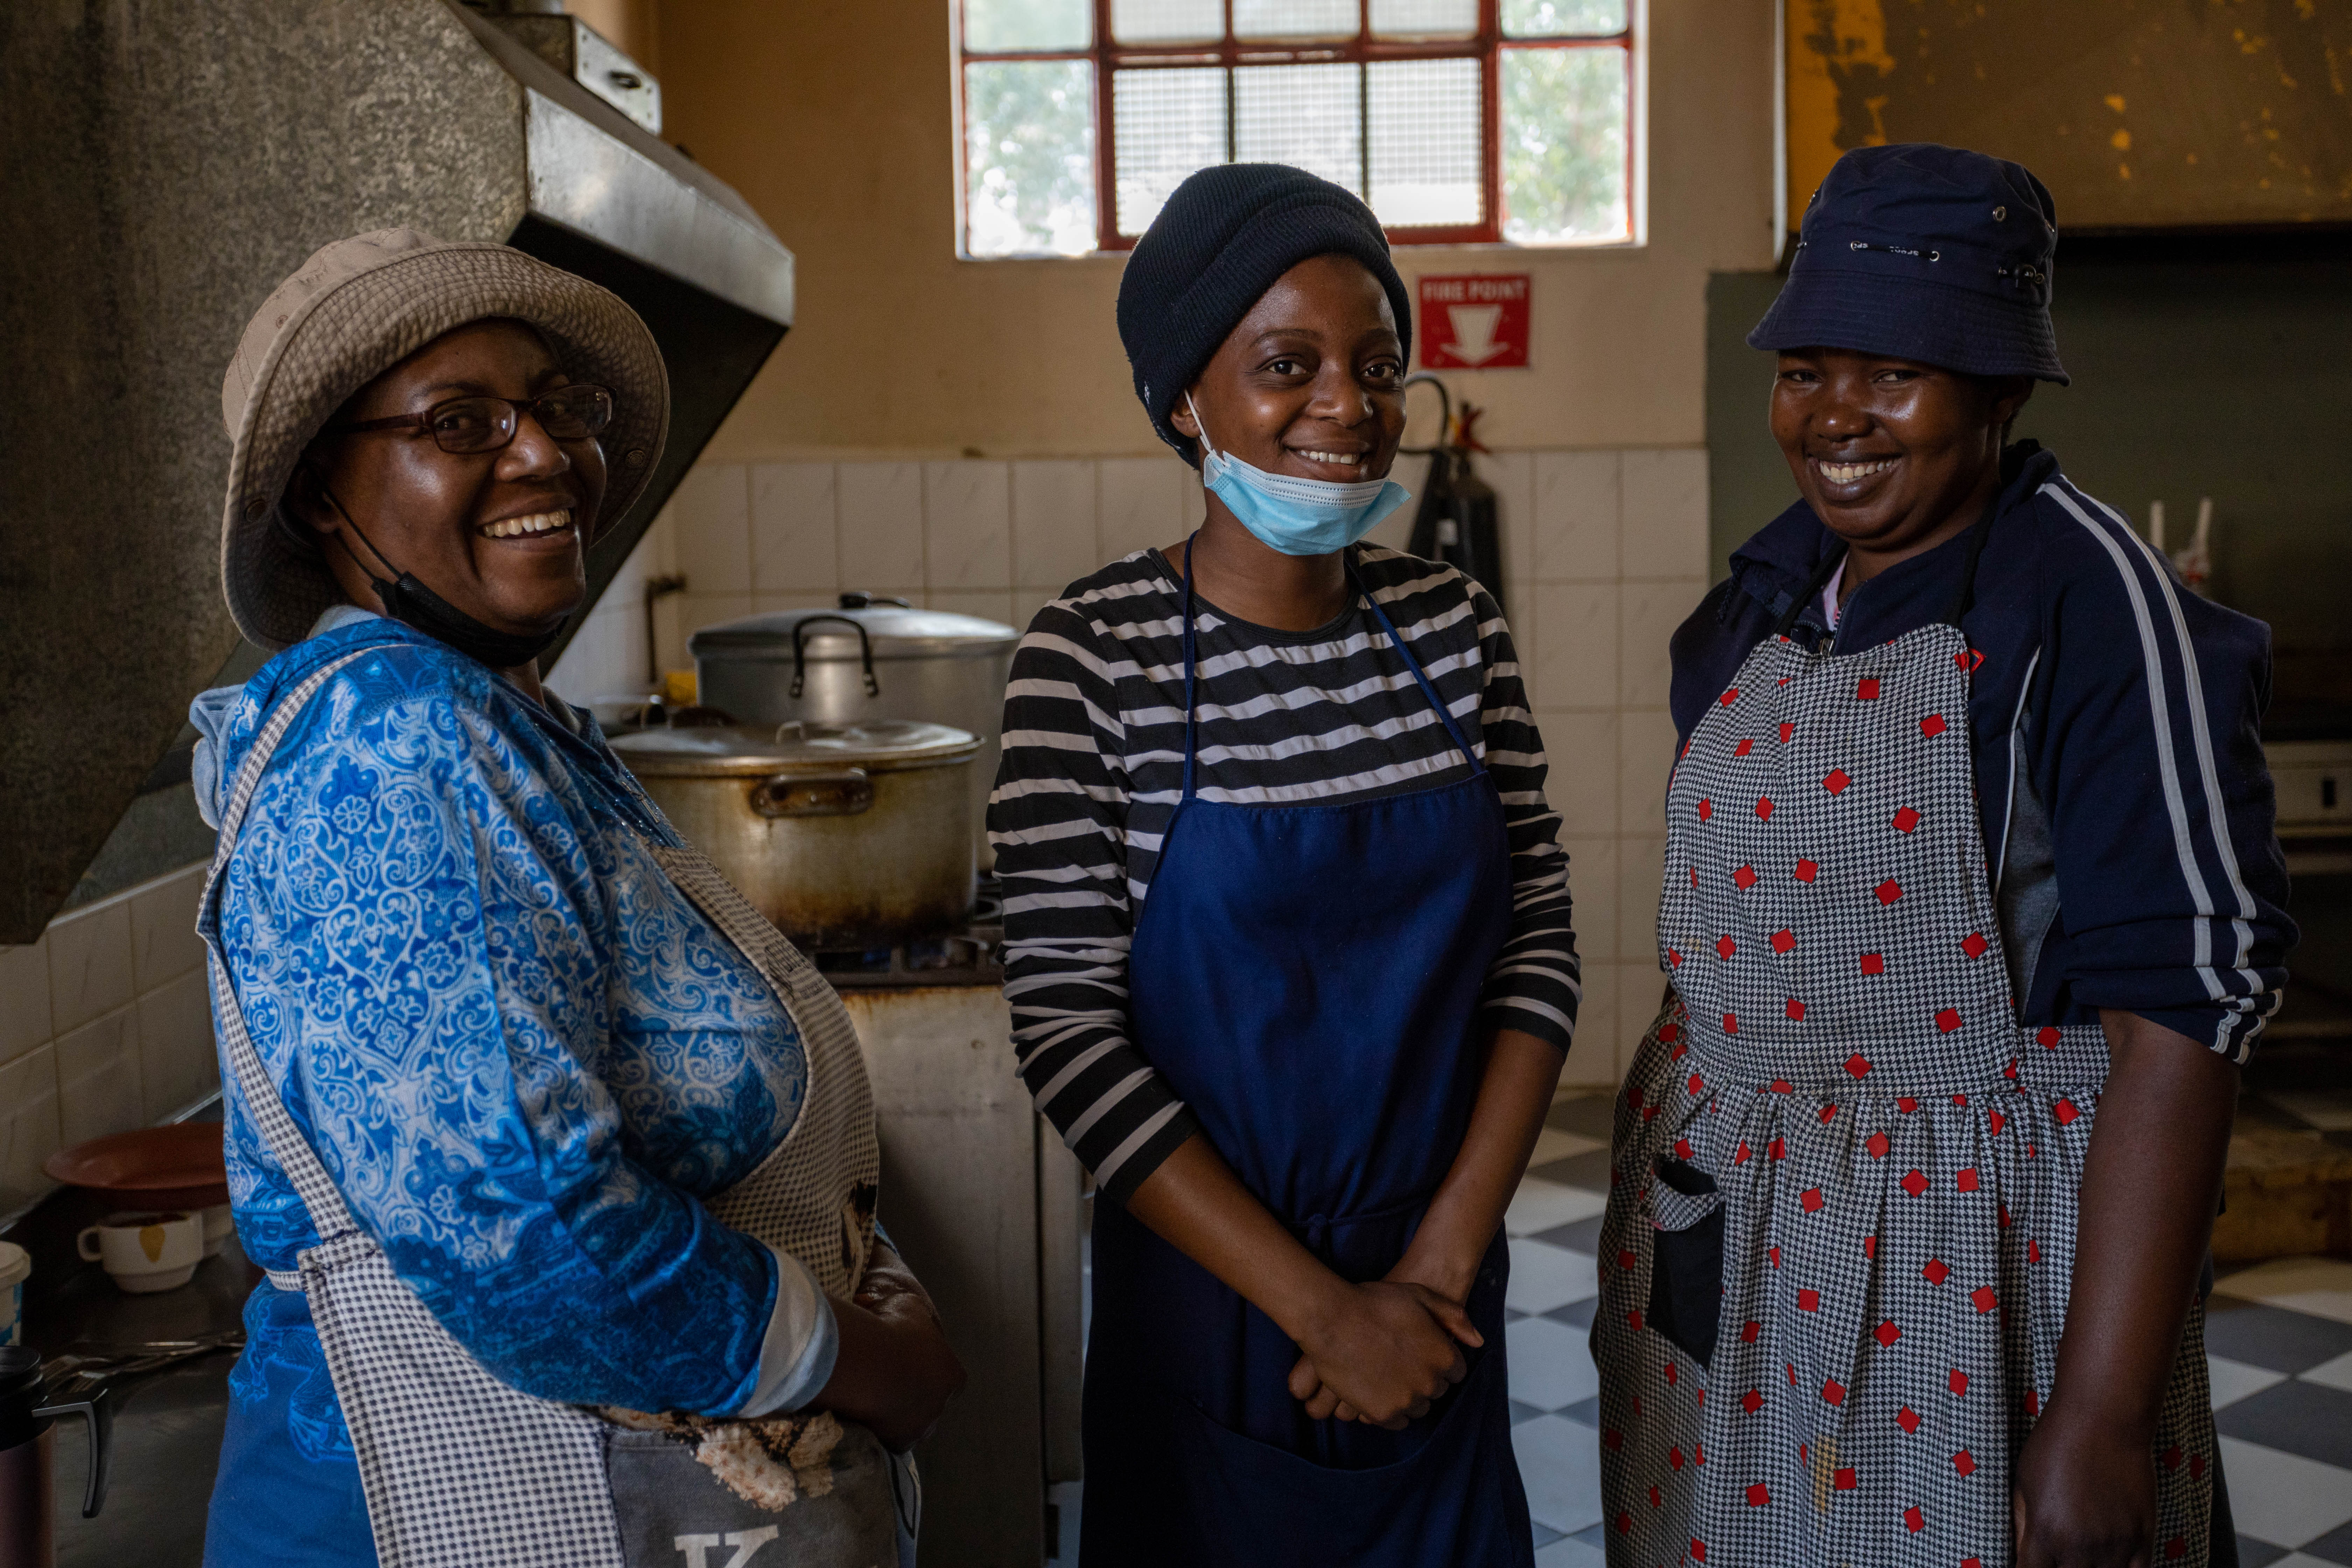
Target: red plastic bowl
x,y
176,1167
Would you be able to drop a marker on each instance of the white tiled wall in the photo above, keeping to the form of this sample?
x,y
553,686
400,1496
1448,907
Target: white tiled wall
x,y
981,538
1604,553
104,1025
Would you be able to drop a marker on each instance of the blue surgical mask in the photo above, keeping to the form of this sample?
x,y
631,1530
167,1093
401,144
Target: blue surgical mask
x,y
1297,517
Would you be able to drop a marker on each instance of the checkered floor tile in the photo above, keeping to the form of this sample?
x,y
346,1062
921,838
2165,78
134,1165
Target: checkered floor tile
x,y
2280,1337
1554,1226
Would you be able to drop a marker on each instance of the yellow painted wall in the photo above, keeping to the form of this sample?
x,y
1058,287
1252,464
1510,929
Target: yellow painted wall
x,y
2136,113
833,118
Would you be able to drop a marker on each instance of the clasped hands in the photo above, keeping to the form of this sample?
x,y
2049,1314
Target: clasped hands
x,y
1383,1352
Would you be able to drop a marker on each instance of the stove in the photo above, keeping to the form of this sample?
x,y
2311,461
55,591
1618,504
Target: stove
x,y
967,955
985,1204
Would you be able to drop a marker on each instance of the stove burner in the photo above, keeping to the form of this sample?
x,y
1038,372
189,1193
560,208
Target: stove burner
x,y
964,956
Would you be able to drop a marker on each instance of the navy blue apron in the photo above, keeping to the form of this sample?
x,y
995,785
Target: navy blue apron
x,y
1307,979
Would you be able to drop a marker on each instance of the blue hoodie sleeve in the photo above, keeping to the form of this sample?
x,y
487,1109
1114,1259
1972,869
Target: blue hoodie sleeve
x,y
421,929
2147,750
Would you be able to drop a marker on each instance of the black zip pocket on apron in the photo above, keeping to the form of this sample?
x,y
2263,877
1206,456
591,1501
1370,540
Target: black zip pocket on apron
x,y
1686,1260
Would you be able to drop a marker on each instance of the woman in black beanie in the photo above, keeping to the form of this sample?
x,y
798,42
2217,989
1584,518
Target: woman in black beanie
x,y
1286,935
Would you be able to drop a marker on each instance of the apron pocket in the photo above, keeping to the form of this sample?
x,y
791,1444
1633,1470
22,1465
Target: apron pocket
x,y
1247,1504
851,1506
1686,1259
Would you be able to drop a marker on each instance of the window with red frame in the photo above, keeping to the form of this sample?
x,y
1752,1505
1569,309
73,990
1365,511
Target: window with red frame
x,y
1458,120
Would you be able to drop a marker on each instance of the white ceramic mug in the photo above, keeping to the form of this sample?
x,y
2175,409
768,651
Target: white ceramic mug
x,y
145,1252
220,1223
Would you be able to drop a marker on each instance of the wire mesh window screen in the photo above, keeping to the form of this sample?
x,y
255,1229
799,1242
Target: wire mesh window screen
x,y
1425,122
1167,21
1424,18
1306,116
1558,18
993,27
1167,123
1458,120
1296,18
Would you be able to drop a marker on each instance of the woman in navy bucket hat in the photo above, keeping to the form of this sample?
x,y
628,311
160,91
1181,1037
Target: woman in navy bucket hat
x,y
1971,911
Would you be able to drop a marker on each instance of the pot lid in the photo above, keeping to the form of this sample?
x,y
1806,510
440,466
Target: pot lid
x,y
728,749
896,631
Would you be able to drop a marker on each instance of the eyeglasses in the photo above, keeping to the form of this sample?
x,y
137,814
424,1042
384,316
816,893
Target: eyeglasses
x,y
472,425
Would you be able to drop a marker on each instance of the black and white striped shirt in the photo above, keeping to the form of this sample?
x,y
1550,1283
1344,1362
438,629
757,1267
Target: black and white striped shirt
x,y
1093,770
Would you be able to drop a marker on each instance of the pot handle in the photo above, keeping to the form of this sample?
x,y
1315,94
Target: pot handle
x,y
848,793
98,1412
800,653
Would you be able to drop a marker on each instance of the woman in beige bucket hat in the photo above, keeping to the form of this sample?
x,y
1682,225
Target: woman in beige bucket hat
x,y
533,1122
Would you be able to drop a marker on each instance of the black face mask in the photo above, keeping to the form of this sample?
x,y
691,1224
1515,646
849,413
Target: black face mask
x,y
413,604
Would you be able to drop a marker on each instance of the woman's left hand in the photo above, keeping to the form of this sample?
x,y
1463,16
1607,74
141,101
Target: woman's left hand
x,y
1424,1264
890,1289
896,1371
2085,1496
2084,1489
1522,1072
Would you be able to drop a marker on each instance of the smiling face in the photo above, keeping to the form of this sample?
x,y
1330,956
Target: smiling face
x,y
1311,383
501,535
1893,456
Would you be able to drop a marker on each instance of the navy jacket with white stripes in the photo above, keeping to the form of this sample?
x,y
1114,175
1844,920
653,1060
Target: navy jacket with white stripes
x,y
2127,811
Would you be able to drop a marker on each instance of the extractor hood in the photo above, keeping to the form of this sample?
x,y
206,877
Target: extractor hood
x,y
167,165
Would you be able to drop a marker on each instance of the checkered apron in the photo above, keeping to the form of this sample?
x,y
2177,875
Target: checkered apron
x,y
1839,1090
458,1468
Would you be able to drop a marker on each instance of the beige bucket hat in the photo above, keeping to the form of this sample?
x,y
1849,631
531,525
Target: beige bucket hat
x,y
354,310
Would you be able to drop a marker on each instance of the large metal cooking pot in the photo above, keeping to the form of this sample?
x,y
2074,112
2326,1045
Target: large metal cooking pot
x,y
845,836
869,658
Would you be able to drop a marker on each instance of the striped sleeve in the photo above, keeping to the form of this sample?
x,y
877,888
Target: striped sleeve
x,y
1535,984
1059,821
2171,884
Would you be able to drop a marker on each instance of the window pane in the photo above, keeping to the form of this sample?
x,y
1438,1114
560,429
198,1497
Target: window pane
x,y
1027,25
1167,21
1564,145
1558,18
1424,18
1169,124
1295,18
1306,116
1029,157
1425,133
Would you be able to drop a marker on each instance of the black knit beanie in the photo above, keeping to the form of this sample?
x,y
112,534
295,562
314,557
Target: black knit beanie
x,y
1224,238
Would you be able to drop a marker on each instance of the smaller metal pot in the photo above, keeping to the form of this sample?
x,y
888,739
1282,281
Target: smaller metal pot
x,y
845,836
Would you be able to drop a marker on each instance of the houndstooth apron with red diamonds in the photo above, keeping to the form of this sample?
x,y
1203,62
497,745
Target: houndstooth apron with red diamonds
x,y
1895,1159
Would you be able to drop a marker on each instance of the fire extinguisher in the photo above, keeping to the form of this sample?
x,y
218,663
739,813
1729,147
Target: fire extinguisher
x,y
1457,521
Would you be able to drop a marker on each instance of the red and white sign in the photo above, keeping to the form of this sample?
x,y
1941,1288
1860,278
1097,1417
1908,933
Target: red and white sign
x,y
1473,321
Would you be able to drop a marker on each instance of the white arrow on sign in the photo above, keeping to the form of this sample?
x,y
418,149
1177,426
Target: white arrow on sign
x,y
1474,333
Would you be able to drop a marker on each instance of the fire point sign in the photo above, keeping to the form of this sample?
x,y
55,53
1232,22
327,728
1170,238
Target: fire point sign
x,y
1473,321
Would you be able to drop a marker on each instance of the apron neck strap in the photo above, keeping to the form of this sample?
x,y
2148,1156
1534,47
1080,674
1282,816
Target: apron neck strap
x,y
1979,531
1445,718
1348,564
1191,724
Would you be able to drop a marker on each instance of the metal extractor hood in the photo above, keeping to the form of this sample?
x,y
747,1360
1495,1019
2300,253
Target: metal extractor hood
x,y
167,165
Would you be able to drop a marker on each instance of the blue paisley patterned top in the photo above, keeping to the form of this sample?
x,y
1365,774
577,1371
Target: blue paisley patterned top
x,y
520,1052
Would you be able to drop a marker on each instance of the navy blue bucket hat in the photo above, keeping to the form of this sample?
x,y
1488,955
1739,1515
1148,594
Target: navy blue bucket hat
x,y
1226,235
1927,253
